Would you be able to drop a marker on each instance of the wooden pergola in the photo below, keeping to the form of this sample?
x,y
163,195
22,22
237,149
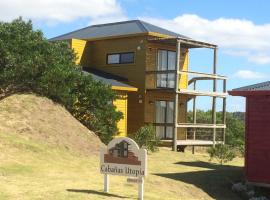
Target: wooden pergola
x,y
194,93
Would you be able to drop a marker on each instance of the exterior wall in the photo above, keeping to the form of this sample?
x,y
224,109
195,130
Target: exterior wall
x,y
151,64
257,161
121,105
78,47
95,56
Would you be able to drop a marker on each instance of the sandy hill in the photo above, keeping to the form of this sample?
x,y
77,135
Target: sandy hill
x,y
32,118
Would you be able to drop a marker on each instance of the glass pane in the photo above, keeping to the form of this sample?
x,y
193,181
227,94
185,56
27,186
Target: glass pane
x,y
160,132
160,111
169,132
171,60
162,60
127,58
113,59
161,80
171,82
169,114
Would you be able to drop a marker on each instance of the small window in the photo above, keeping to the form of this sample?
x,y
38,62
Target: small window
x,y
113,58
127,58
120,58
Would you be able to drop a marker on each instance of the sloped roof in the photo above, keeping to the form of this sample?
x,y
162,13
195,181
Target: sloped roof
x,y
116,29
110,79
255,87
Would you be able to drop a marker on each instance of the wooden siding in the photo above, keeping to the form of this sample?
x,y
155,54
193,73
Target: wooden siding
x,y
95,56
258,139
78,47
121,105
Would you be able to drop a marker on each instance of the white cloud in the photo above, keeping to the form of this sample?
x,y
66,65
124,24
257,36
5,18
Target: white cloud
x,y
236,35
54,11
247,74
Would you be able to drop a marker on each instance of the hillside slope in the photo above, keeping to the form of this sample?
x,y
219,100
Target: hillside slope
x,y
38,119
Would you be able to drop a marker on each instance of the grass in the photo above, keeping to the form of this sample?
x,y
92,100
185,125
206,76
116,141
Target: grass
x,y
54,173
46,154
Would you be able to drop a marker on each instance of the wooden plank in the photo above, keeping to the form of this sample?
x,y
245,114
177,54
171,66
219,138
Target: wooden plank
x,y
191,125
178,53
214,114
202,93
200,74
196,142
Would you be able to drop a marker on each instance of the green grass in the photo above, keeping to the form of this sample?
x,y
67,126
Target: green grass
x,y
46,154
54,173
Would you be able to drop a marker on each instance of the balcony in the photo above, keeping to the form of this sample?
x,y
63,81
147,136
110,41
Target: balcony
x,y
165,81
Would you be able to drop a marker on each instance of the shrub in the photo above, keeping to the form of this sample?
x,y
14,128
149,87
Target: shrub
x,y
146,138
223,153
30,63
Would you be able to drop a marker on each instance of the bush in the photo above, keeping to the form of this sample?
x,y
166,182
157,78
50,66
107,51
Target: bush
x,y
145,137
30,63
223,153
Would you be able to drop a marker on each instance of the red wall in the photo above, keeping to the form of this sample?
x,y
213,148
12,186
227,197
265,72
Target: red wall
x,y
258,139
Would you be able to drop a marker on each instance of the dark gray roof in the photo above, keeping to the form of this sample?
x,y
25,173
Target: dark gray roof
x,y
116,29
107,78
255,87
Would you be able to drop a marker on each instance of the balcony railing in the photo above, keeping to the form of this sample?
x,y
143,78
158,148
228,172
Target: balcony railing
x,y
165,80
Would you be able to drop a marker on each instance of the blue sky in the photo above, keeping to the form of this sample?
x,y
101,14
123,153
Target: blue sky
x,y
240,28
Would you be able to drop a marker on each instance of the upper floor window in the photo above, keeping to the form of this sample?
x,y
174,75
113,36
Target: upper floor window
x,y
120,58
166,60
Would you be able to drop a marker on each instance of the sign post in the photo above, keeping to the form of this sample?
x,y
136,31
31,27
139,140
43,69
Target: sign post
x,y
123,157
106,183
140,189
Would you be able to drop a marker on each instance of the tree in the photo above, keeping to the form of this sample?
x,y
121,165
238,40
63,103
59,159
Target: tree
x,y
30,63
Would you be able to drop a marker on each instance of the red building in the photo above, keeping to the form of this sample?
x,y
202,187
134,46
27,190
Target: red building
x,y
257,158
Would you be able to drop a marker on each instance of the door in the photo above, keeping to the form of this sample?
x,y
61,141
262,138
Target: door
x,y
164,115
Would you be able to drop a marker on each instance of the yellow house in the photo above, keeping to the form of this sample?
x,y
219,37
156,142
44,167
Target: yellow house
x,y
152,63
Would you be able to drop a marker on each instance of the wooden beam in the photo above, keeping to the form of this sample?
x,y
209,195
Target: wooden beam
x,y
177,65
214,115
202,93
191,125
224,111
194,116
203,75
196,142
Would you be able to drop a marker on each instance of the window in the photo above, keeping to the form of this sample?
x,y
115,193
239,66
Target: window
x,y
166,61
120,58
164,114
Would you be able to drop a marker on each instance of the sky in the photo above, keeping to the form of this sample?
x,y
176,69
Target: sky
x,y
240,28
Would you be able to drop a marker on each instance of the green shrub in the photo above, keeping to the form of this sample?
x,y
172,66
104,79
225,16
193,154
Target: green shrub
x,y
223,153
146,138
30,63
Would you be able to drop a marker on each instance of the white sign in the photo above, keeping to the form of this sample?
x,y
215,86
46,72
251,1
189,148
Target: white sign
x,y
123,157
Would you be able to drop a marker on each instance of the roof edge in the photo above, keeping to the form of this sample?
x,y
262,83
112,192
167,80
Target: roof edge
x,y
246,93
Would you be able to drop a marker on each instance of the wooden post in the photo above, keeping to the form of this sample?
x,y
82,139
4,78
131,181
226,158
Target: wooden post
x,y
224,111
214,116
140,188
194,116
106,183
177,65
